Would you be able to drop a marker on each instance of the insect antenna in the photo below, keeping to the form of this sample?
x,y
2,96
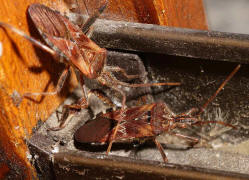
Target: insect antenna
x,y
202,109
219,89
85,27
30,39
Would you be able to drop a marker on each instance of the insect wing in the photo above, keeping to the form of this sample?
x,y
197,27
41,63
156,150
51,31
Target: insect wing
x,y
133,129
65,37
94,131
47,21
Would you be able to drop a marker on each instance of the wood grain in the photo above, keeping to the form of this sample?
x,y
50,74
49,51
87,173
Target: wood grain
x,y
25,68
177,13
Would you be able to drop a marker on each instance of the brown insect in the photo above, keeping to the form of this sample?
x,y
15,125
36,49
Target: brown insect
x,y
147,121
78,52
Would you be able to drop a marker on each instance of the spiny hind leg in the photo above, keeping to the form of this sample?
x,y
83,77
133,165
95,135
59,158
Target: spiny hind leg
x,y
107,73
147,84
122,71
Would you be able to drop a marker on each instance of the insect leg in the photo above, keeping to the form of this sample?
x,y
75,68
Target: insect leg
x,y
82,102
32,40
216,122
122,113
102,97
59,85
118,69
192,139
68,112
148,84
109,80
66,117
160,148
190,112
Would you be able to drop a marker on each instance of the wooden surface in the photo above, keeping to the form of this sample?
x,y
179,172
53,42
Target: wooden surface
x,y
24,68
177,13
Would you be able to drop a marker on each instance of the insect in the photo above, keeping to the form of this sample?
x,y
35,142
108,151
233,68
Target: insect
x,y
77,52
147,121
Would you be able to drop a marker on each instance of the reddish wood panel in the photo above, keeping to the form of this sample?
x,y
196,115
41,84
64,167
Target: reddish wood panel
x,y
177,13
23,68
185,14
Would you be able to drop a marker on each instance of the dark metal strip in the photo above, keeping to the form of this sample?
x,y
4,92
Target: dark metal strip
x,y
173,41
92,166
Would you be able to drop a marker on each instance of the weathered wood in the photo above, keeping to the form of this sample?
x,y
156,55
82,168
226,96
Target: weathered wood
x,y
24,68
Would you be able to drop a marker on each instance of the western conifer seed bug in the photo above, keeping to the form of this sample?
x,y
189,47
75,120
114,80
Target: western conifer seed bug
x,y
78,52
147,122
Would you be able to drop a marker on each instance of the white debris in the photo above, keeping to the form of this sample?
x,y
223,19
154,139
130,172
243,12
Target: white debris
x,y
55,149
